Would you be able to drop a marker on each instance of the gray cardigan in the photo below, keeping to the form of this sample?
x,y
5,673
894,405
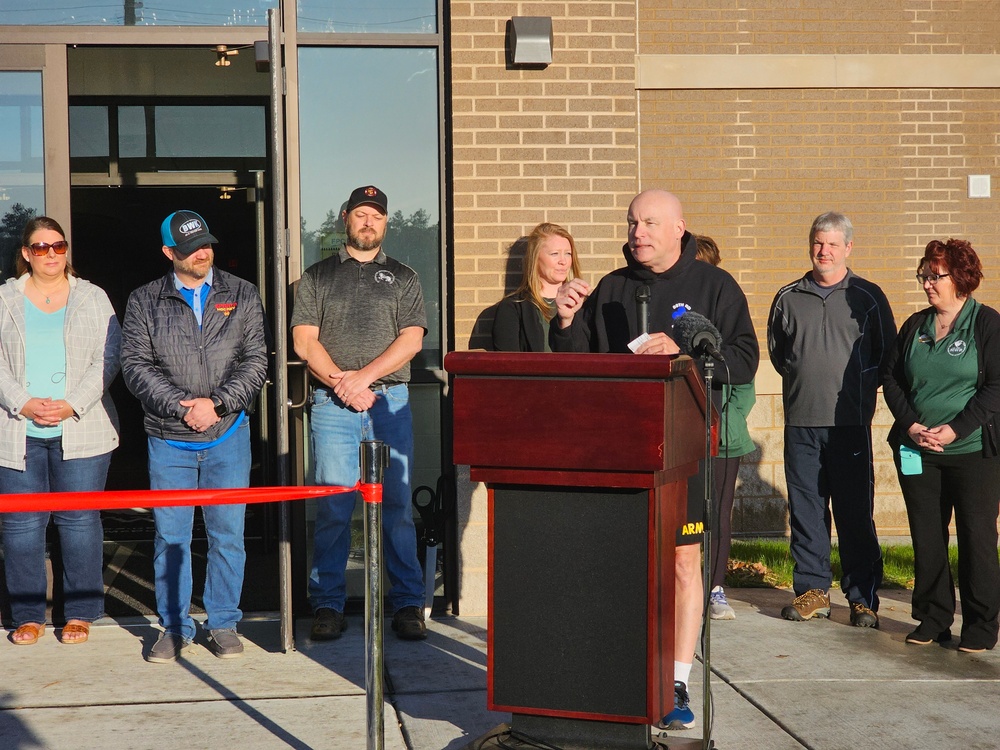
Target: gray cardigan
x,y
93,338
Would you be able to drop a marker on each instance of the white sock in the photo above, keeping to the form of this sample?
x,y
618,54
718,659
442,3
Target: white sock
x,y
682,672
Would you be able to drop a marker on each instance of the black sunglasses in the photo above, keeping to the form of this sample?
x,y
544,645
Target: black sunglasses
x,y
42,248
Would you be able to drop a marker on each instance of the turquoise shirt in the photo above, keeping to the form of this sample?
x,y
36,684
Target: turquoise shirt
x,y
44,360
943,375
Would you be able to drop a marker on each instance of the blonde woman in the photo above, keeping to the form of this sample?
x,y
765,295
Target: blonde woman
x,y
522,320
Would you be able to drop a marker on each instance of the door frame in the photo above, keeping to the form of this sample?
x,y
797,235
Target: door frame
x,y
50,61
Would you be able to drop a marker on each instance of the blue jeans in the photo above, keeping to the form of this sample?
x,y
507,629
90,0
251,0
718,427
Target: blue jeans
x,y
225,465
81,536
336,432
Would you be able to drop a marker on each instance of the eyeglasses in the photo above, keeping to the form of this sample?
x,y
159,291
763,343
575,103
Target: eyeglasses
x,y
931,277
42,248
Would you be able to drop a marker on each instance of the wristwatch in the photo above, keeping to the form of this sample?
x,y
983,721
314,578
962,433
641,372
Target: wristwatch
x,y
220,408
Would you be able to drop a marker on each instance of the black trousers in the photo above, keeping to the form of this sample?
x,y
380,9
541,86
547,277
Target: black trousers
x,y
969,485
830,468
725,472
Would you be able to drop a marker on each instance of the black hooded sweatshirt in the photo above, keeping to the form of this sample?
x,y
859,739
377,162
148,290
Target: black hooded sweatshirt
x,y
609,321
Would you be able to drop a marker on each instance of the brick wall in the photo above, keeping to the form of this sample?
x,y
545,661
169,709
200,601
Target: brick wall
x,y
753,167
815,27
556,145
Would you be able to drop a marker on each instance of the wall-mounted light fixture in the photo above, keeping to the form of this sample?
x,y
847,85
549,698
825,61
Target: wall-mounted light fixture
x,y
224,54
529,41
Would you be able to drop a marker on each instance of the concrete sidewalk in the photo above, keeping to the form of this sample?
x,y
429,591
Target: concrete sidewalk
x,y
819,684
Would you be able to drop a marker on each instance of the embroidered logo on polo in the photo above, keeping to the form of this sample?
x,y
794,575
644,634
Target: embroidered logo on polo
x,y
225,307
957,348
384,277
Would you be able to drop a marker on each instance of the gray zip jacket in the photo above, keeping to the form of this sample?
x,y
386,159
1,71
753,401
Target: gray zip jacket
x,y
92,338
831,353
167,358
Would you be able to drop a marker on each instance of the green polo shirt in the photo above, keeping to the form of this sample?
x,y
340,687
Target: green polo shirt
x,y
943,375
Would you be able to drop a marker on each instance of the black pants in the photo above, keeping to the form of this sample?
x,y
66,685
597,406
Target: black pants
x,y
725,471
832,467
969,484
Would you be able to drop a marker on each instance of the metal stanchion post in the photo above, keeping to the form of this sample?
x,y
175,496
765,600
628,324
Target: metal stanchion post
x,y
374,460
706,655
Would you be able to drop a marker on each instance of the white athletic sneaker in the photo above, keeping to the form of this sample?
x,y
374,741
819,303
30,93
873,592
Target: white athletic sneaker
x,y
718,605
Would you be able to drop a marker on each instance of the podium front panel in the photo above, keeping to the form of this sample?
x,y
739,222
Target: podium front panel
x,y
569,601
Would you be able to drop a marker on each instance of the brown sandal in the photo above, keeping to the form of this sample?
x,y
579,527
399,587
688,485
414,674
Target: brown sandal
x,y
33,630
79,628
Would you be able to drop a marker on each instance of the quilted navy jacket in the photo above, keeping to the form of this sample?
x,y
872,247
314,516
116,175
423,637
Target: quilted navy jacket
x,y
167,358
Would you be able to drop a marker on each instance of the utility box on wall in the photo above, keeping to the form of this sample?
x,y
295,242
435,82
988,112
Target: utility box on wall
x,y
529,40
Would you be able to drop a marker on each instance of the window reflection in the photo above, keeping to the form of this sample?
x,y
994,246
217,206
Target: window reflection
x,y
22,180
138,13
382,130
210,131
369,17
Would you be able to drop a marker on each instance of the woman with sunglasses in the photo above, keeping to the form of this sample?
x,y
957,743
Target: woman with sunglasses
x,y
943,388
59,342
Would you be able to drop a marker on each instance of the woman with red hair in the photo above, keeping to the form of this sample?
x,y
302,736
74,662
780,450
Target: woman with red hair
x,y
943,388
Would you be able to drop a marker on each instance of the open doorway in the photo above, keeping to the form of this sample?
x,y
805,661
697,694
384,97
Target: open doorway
x,y
117,245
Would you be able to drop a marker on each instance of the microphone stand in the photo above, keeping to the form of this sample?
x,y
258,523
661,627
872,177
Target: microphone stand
x,y
708,368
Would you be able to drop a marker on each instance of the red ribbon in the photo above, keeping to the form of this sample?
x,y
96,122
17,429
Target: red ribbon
x,y
116,499
371,493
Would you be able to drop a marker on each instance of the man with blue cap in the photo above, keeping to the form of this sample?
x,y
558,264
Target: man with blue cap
x,y
194,354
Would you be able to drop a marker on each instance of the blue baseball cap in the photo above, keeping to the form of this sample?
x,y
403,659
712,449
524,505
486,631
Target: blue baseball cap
x,y
185,232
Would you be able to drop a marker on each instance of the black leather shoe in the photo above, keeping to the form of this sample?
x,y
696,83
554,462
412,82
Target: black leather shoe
x,y
328,624
409,625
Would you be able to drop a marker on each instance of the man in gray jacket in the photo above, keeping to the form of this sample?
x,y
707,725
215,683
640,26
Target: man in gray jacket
x,y
829,335
194,354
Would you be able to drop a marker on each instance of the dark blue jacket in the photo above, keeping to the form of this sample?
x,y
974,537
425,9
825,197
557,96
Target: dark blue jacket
x,y
167,358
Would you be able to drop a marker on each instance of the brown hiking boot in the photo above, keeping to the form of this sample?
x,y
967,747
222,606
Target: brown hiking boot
x,y
813,603
862,616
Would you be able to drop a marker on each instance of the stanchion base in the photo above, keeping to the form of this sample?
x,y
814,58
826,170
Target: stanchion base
x,y
566,734
667,741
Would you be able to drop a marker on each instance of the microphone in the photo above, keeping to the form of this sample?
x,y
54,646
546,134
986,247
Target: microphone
x,y
642,308
696,335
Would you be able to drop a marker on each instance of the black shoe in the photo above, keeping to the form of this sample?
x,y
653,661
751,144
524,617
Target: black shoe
x,y
969,647
920,638
862,616
327,625
409,625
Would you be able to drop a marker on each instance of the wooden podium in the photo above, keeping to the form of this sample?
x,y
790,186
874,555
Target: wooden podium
x,y
586,459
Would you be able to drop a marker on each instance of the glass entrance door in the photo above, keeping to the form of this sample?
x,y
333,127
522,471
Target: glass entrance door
x,y
31,179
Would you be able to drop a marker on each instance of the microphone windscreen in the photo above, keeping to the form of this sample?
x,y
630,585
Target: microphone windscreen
x,y
692,325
